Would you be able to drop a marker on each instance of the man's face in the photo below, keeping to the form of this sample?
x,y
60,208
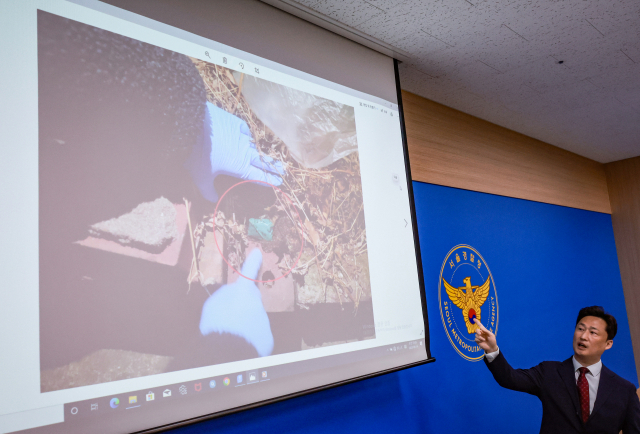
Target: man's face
x,y
590,338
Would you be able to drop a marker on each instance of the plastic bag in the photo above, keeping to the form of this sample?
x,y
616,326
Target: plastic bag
x,y
316,130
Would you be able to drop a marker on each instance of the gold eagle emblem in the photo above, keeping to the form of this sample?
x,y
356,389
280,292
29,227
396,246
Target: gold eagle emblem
x,y
469,300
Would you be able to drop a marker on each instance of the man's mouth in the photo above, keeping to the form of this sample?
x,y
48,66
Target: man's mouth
x,y
582,346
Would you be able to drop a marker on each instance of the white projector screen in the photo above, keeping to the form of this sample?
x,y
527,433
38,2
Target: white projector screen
x,y
195,229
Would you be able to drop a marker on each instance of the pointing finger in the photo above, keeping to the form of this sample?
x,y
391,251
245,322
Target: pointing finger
x,y
480,326
252,264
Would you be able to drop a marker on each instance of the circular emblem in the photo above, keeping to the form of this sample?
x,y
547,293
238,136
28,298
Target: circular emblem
x,y
466,292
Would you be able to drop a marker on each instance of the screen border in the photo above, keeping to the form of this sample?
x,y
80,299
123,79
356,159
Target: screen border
x,y
412,206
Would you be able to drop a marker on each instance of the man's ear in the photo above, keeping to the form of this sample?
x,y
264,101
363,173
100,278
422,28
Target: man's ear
x,y
609,344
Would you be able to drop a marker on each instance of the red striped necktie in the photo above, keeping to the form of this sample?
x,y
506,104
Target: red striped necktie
x,y
583,391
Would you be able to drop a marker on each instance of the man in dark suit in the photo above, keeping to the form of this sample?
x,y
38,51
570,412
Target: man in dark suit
x,y
579,395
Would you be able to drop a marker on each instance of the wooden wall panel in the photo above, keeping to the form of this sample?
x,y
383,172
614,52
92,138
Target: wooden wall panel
x,y
624,190
451,148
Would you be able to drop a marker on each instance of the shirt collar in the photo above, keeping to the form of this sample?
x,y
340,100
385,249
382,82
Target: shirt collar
x,y
594,369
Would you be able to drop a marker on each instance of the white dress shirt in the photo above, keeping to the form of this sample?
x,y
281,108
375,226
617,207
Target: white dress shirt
x,y
593,376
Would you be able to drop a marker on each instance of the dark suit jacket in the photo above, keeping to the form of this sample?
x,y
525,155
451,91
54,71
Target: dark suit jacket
x,y
616,408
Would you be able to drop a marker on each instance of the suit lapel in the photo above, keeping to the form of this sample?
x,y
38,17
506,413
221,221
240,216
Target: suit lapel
x,y
605,387
568,376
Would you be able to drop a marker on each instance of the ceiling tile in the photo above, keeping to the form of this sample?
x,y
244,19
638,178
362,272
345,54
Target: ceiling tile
x,y
629,98
409,18
349,12
498,60
385,4
626,76
308,3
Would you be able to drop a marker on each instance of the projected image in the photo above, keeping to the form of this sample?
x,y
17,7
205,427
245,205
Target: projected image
x,y
190,215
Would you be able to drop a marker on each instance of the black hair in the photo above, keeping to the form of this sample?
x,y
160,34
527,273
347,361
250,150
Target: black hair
x,y
598,312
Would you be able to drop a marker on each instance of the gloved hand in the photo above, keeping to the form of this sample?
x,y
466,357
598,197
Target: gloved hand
x,y
227,148
237,309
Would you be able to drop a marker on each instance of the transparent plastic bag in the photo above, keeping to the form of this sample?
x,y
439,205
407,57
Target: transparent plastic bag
x,y
316,130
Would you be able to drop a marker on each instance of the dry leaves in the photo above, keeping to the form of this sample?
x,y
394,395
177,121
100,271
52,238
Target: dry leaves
x,y
328,200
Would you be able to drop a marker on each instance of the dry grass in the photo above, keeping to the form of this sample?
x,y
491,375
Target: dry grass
x,y
329,202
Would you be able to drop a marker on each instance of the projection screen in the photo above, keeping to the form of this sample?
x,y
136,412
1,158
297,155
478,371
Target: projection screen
x,y
191,229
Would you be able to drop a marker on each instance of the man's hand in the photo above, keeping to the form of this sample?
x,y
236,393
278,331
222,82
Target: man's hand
x,y
228,149
237,309
485,339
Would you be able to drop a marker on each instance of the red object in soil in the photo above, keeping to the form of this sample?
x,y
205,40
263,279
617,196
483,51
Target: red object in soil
x,y
299,219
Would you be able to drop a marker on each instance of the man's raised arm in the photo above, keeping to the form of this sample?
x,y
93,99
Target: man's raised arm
x,y
522,380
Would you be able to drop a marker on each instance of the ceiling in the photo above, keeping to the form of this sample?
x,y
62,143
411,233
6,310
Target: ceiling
x,y
500,61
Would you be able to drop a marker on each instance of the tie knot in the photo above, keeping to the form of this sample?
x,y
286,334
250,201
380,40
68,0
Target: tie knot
x,y
583,371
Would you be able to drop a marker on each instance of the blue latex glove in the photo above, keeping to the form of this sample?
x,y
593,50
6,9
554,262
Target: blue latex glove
x,y
227,148
237,309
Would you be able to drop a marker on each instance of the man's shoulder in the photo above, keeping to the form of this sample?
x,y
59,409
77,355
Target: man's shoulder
x,y
554,363
548,364
545,365
621,382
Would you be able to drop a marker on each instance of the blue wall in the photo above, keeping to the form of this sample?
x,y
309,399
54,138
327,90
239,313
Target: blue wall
x,y
547,261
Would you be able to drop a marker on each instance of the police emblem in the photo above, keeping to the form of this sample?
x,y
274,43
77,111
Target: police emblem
x,y
467,292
